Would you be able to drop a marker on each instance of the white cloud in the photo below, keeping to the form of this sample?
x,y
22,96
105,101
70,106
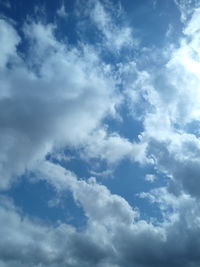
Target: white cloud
x,y
169,31
182,148
62,12
59,96
186,7
106,208
113,236
116,37
56,98
9,40
113,148
170,104
150,178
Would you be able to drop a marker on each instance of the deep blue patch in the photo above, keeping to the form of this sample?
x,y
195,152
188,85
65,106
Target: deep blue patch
x,y
128,127
129,180
150,23
33,197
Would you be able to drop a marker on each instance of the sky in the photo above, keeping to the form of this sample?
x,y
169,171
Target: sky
x,y
99,133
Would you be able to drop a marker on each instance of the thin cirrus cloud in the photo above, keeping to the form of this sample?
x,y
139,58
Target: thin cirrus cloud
x,y
56,96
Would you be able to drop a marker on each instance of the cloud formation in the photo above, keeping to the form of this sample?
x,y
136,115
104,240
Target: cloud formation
x,y
114,234
55,96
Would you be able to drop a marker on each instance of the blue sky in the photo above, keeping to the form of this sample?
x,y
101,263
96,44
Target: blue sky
x,y
99,133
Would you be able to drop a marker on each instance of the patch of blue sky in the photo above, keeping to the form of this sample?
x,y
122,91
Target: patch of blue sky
x,y
129,181
127,126
73,163
38,199
192,128
151,20
127,178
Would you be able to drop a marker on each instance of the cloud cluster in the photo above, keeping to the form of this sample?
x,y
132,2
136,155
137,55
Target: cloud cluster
x,y
113,148
56,96
173,141
170,105
115,38
113,236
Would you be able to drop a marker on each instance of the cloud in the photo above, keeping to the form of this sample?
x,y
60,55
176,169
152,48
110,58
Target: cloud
x,y
113,148
36,244
120,227
9,41
61,11
42,242
55,98
179,159
186,8
181,148
109,22
113,236
56,95
170,106
107,207
150,178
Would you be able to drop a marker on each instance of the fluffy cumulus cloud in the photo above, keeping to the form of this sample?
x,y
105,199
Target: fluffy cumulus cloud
x,y
54,98
170,109
57,95
113,148
114,234
173,140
